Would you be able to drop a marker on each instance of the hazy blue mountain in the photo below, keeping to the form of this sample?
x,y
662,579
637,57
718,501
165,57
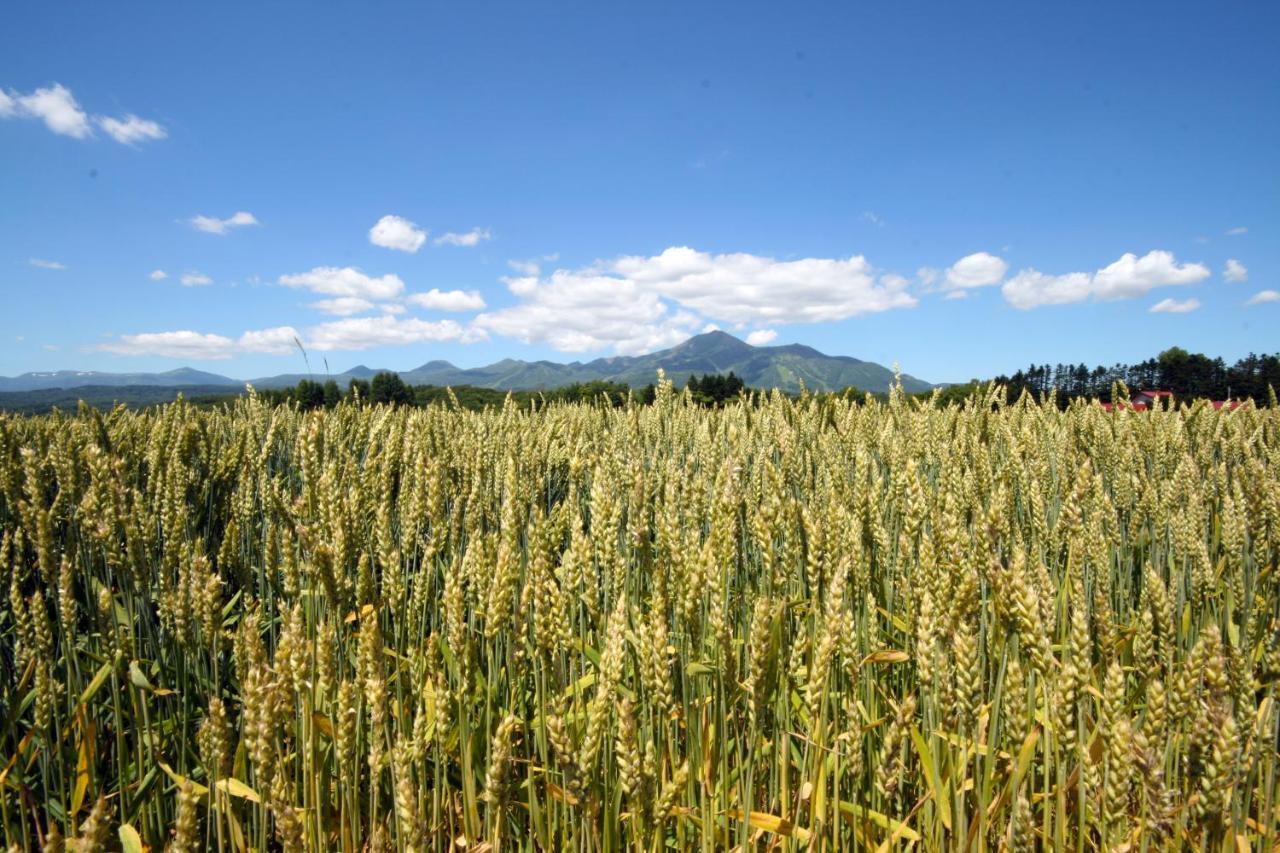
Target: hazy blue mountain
x,y
183,376
785,367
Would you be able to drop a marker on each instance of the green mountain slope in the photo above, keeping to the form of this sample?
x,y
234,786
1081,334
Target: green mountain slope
x,y
785,367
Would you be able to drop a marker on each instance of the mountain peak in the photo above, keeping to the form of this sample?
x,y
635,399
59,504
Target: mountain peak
x,y
715,336
714,343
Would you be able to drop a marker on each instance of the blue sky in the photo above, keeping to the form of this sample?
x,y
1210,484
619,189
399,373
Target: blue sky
x,y
959,188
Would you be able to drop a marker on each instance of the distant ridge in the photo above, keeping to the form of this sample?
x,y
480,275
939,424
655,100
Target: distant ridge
x,y
786,367
183,376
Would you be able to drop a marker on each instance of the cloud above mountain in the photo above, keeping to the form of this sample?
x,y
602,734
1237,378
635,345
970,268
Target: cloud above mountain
x,y
636,303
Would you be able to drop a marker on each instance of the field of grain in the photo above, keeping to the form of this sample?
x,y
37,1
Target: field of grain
x,y
795,624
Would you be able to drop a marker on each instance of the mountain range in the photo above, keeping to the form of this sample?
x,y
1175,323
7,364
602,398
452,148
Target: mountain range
x,y
785,367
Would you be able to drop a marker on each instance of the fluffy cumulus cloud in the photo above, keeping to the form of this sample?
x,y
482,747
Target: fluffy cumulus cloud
x,y
744,288
276,341
131,130
1174,306
1130,276
1133,276
467,238
396,232
579,312
157,275
447,300
62,114
213,225
46,265
346,281
192,278
1235,271
343,306
641,303
1264,297
977,270
760,337
187,344
1032,288
359,333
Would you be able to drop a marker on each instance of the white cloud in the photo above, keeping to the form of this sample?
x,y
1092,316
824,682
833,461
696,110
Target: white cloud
x,y
956,294
355,333
395,232
1173,306
468,238
744,288
1132,276
180,344
157,275
873,217
1128,277
46,265
55,106
346,281
1032,288
577,312
760,337
1237,231
131,130
61,113
1235,271
213,225
193,278
624,304
1263,297
343,306
364,332
977,270
194,345
447,300
280,340
927,275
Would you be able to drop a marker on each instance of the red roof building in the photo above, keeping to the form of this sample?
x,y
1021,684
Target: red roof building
x,y
1143,400
1149,398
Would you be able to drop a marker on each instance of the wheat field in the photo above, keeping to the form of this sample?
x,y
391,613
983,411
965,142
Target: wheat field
x,y
783,624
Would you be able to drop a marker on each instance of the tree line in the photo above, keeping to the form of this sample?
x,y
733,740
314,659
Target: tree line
x,y
388,388
1188,375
